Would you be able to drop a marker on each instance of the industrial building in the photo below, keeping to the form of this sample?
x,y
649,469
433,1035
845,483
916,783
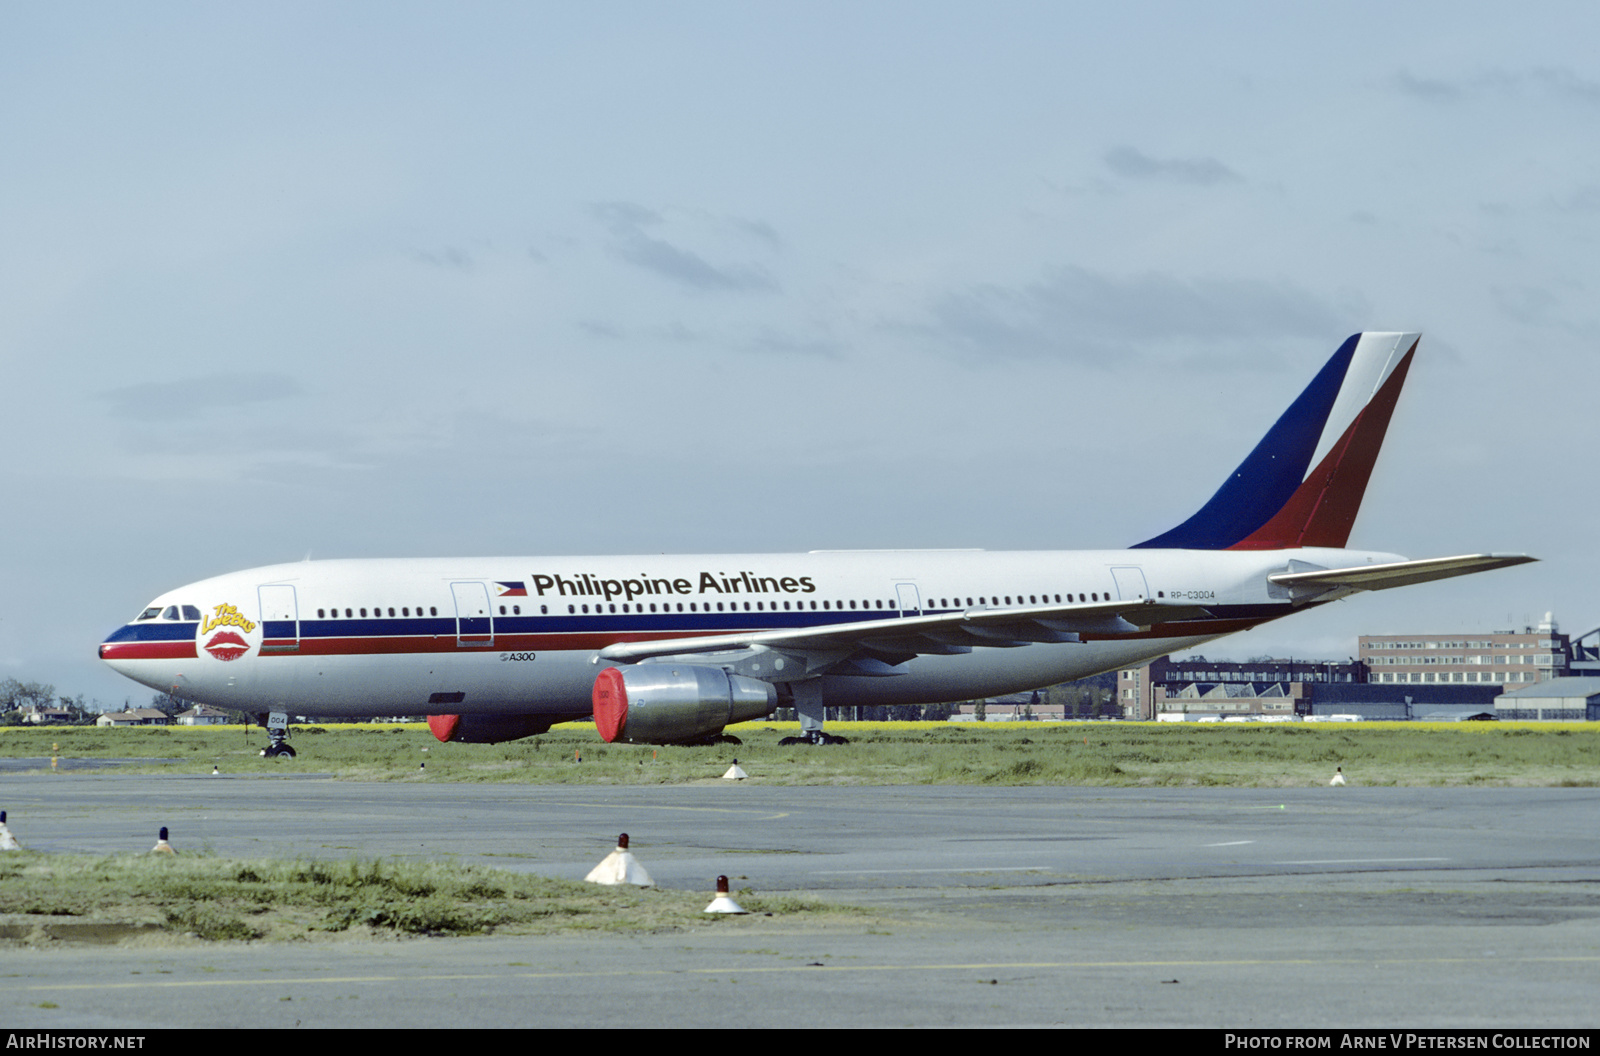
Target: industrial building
x,y
1534,673
1502,658
1172,689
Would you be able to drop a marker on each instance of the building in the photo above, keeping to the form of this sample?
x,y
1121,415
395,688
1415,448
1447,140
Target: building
x,y
1398,676
202,715
133,717
1554,700
1395,702
45,715
1174,689
1510,659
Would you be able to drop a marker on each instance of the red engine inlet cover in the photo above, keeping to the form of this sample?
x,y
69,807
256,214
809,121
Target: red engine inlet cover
x,y
610,704
444,726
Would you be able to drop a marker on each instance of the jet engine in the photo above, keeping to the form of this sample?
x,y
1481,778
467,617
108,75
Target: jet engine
x,y
671,703
489,729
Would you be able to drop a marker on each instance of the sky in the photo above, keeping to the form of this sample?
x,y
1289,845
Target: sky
x,y
432,279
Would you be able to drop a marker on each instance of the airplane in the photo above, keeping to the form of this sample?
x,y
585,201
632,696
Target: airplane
x,y
672,649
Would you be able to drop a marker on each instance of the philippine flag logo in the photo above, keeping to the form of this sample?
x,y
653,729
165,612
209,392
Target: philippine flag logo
x,y
511,590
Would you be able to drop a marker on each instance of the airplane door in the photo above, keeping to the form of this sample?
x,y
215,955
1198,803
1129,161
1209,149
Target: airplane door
x,y
280,619
910,599
473,629
1130,583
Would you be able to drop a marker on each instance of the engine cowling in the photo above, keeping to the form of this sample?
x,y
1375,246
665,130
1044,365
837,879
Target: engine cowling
x,y
670,703
488,729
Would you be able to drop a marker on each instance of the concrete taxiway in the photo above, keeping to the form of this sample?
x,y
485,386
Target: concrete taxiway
x,y
993,906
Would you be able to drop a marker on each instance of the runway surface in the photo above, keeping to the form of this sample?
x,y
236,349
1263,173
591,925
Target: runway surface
x,y
1229,908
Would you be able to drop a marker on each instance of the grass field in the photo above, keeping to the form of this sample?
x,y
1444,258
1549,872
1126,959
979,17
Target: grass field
x,y
1099,753
224,899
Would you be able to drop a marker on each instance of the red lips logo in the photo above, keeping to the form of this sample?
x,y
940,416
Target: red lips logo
x,y
226,645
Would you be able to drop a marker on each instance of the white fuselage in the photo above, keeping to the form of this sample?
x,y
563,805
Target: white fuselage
x,y
522,636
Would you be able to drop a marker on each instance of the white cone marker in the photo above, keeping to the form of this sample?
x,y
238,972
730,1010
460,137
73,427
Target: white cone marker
x,y
8,842
620,867
1338,776
735,773
722,903
162,846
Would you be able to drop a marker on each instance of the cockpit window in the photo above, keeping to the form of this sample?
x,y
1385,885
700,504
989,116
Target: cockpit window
x,y
190,612
171,613
149,614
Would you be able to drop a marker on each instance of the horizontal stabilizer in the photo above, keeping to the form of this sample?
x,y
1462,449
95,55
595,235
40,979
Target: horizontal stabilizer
x,y
1395,574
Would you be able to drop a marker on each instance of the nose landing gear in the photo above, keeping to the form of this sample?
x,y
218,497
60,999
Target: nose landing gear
x,y
277,724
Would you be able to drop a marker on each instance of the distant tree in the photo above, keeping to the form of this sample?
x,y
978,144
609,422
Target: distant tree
x,y
82,711
15,695
168,704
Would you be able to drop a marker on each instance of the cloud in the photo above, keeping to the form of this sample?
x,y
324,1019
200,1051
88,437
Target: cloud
x,y
1428,88
191,398
768,340
630,228
1134,164
1554,81
449,258
1076,313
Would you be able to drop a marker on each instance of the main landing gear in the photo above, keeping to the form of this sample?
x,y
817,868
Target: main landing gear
x,y
277,725
815,737
806,699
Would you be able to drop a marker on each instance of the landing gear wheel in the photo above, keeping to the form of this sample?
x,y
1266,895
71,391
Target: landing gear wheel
x,y
277,724
815,737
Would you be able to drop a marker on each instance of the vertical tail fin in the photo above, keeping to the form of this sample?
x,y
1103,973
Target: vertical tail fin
x,y
1303,484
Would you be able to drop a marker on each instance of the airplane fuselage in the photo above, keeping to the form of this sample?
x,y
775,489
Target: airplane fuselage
x,y
524,636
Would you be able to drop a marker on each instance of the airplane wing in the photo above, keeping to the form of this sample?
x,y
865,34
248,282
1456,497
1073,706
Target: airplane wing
x,y
876,647
1316,582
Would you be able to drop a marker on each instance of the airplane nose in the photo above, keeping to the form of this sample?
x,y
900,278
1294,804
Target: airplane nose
x,y
148,641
